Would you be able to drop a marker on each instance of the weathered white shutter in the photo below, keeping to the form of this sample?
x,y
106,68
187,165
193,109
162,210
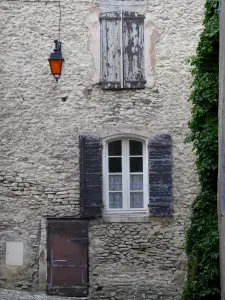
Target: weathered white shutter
x,y
111,63
133,50
122,50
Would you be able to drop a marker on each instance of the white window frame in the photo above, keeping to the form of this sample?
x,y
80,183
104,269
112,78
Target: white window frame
x,y
125,176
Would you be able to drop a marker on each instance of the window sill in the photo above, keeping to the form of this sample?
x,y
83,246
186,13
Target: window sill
x,y
126,218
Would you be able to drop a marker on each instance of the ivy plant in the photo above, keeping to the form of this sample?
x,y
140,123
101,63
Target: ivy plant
x,y
202,237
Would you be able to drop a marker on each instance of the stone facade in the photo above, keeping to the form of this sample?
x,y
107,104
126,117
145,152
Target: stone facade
x,y
129,258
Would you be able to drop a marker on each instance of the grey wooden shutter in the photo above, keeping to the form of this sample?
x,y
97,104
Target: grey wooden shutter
x,y
111,67
90,176
122,50
160,175
133,50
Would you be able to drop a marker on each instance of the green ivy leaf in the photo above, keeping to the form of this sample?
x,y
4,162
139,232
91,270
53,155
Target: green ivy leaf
x,y
202,238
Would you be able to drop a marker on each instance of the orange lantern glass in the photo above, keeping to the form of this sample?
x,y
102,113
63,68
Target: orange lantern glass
x,y
56,60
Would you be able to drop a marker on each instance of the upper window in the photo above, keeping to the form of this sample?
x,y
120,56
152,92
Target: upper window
x,y
125,180
122,50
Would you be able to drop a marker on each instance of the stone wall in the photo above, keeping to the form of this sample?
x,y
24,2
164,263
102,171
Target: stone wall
x,y
137,260
41,122
24,202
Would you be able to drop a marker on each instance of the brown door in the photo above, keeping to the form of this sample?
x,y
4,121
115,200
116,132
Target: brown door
x,y
67,257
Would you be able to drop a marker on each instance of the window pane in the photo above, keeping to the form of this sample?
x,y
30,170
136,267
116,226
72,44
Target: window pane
x,y
115,182
135,147
115,165
136,182
115,200
136,200
136,164
115,148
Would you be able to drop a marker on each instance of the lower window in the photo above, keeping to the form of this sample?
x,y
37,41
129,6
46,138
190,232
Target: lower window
x,y
125,176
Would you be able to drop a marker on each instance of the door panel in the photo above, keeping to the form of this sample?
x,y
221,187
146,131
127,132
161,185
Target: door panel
x,y
67,257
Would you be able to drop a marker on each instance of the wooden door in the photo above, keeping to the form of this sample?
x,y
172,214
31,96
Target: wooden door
x,y
67,257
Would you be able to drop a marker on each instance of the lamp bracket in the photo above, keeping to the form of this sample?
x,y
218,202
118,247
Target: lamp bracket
x,y
58,46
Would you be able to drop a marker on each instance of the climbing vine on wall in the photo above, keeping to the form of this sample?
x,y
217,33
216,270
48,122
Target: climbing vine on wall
x,y
202,238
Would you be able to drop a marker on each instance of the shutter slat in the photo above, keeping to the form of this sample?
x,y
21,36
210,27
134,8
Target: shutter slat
x,y
160,175
133,50
90,176
110,50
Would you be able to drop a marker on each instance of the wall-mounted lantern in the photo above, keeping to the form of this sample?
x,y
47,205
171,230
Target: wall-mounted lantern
x,y
56,60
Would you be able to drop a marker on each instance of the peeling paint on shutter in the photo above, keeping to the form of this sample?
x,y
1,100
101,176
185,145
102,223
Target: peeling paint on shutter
x,y
111,50
90,176
160,175
122,50
133,50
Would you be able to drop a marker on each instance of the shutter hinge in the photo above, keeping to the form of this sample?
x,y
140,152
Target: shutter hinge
x,y
135,18
109,18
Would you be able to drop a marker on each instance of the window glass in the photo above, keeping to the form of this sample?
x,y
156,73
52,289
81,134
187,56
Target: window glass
x,y
115,200
135,147
136,164
115,164
136,182
115,148
136,200
115,182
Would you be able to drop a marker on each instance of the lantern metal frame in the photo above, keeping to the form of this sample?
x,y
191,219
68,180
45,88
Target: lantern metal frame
x,y
56,55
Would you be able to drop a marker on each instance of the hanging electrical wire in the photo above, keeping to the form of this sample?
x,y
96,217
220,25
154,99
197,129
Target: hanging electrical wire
x,y
60,16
